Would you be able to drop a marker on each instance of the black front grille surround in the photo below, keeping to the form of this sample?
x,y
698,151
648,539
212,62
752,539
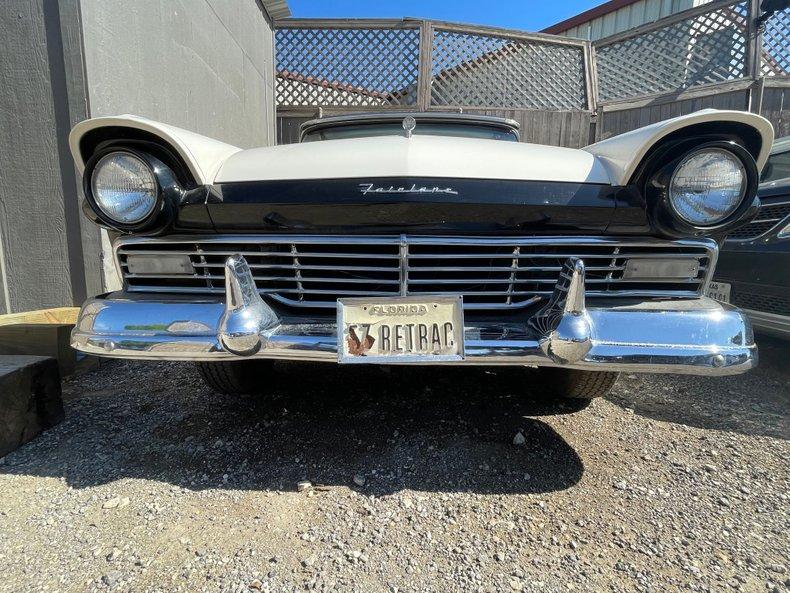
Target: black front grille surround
x,y
768,303
768,217
490,273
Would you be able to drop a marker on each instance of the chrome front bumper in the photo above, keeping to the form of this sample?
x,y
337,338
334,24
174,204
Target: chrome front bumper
x,y
698,336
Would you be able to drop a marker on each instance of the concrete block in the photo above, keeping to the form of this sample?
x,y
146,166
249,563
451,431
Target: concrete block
x,y
30,399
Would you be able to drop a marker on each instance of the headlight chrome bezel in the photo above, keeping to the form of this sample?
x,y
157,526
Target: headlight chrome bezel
x,y
168,194
664,217
688,157
101,207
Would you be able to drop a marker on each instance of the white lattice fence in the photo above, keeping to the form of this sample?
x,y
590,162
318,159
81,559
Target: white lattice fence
x,y
396,64
706,48
688,60
475,70
347,66
776,45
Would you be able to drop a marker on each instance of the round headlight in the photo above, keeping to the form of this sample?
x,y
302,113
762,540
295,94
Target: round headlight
x,y
124,187
707,186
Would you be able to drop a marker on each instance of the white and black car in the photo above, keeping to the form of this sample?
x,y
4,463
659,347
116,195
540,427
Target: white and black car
x,y
422,239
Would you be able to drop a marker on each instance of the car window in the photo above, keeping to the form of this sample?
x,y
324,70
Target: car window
x,y
777,167
422,129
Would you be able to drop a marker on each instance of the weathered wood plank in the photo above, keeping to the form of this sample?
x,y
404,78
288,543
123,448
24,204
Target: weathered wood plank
x,y
776,109
30,399
57,315
41,339
618,121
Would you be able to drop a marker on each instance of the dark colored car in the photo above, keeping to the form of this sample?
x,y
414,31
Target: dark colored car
x,y
753,272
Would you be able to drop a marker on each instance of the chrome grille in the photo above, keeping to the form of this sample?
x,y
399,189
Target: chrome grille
x,y
490,273
769,216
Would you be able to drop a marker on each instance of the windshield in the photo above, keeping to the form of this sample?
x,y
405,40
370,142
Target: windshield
x,y
422,129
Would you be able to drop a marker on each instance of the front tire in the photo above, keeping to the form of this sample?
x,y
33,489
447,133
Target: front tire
x,y
241,377
576,384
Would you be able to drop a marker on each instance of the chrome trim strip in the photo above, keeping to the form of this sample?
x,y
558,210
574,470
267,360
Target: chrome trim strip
x,y
769,323
418,240
404,266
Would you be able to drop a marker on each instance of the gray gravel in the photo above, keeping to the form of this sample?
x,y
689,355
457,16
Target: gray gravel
x,y
403,479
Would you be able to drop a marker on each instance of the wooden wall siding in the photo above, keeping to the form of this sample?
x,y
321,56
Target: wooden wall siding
x,y
42,255
206,66
52,54
613,122
77,99
776,108
555,128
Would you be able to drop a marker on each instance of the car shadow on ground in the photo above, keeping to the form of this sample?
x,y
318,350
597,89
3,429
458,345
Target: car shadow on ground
x,y
421,428
755,403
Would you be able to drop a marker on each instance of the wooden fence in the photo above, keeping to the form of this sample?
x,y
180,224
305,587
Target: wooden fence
x,y
565,92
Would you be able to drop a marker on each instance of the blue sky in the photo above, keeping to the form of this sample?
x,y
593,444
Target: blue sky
x,y
529,15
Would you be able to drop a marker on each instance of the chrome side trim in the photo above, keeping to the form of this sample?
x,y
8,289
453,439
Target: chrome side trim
x,y
419,240
770,323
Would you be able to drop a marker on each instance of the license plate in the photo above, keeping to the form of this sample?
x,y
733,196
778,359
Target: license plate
x,y
400,329
719,291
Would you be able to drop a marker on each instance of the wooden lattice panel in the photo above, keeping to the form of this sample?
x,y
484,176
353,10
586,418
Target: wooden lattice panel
x,y
473,70
776,45
707,48
347,67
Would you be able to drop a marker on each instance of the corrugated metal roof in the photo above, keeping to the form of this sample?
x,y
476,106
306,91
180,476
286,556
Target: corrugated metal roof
x,y
277,9
616,16
588,15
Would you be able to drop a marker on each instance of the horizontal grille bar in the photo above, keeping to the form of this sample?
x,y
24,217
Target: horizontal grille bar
x,y
490,273
768,217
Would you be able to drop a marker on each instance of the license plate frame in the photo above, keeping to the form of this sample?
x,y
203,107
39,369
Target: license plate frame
x,y
719,291
351,310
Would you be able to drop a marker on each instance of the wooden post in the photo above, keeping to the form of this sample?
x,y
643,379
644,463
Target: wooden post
x,y
754,56
591,76
425,65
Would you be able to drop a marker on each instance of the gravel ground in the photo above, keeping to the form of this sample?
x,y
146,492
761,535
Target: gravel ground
x,y
420,479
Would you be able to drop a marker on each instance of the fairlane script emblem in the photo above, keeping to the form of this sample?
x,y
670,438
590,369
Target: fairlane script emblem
x,y
369,188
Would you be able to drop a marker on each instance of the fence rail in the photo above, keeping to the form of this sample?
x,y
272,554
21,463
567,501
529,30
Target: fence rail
x,y
712,54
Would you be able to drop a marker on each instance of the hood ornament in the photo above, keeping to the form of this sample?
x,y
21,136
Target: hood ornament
x,y
409,123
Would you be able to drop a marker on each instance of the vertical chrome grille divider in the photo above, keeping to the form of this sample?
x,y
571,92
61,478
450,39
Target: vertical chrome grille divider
x,y
612,266
206,272
297,272
404,266
514,270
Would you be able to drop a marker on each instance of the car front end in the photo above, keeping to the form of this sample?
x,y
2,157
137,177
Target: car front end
x,y
409,249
